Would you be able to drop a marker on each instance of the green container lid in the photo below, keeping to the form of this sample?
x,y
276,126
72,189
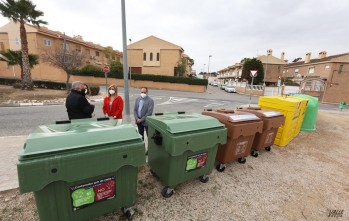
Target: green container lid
x,y
183,132
78,134
179,123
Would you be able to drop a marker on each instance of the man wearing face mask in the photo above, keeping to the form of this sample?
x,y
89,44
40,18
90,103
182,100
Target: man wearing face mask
x,y
144,106
76,103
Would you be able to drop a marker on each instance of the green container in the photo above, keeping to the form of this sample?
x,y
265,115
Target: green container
x,y
81,169
311,112
183,146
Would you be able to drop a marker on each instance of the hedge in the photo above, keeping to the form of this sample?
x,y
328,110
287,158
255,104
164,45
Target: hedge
x,y
145,77
37,83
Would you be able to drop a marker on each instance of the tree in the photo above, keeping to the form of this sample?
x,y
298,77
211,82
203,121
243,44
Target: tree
x,y
184,66
109,52
68,61
23,11
252,64
116,66
15,58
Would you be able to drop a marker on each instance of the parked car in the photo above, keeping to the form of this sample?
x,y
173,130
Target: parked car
x,y
214,84
230,89
223,86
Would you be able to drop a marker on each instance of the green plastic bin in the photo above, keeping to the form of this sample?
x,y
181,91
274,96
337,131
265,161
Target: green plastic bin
x,y
311,112
183,146
81,169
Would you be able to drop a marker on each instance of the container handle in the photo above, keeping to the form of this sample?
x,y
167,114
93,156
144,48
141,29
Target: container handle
x,y
63,122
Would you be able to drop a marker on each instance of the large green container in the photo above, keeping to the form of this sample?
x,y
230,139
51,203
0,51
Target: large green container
x,y
183,146
311,112
81,169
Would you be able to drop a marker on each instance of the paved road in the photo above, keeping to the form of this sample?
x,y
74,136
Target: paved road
x,y
21,120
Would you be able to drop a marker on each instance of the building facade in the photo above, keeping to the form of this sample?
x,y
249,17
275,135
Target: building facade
x,y
155,56
326,77
42,40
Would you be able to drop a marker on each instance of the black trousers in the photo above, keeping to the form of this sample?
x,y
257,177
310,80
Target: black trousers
x,y
141,129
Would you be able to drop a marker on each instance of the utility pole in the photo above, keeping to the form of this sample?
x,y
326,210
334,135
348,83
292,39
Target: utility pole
x,y
125,65
208,66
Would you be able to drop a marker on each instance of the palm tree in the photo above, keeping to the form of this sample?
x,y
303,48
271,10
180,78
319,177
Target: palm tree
x,y
15,58
23,11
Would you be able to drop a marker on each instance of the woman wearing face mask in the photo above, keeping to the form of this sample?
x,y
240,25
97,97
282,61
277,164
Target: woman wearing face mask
x,y
113,104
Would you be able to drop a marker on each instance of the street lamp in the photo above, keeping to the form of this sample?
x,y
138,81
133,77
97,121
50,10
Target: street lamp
x,y
130,57
208,66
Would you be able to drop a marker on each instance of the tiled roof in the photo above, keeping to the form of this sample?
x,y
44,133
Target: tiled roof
x,y
317,60
270,59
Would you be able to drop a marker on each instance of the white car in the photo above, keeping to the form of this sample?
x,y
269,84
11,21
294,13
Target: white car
x,y
230,89
214,84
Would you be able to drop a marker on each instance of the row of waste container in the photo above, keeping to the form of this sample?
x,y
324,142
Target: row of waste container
x,y
81,169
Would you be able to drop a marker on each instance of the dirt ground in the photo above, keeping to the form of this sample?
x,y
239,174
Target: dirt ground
x,y
8,94
306,180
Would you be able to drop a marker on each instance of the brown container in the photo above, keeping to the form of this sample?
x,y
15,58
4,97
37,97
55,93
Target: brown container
x,y
241,130
272,120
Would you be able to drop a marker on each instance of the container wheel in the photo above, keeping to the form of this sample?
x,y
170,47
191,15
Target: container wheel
x,y
220,167
167,192
242,160
254,153
204,178
268,148
128,212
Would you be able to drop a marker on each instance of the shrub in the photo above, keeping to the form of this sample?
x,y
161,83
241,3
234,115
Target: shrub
x,y
17,85
94,90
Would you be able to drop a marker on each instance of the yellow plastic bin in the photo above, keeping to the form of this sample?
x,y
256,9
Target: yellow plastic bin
x,y
304,105
290,108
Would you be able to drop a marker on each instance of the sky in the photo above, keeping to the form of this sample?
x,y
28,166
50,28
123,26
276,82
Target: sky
x,y
228,30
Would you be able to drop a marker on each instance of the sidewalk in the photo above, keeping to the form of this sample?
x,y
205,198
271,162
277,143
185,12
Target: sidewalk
x,y
9,149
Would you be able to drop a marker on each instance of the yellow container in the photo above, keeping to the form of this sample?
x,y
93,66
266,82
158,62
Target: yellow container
x,y
304,105
290,108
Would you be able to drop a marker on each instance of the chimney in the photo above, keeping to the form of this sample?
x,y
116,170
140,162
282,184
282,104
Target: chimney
x,y
322,54
270,52
282,56
307,57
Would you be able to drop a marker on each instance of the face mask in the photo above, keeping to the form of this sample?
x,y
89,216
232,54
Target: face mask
x,y
111,92
143,95
86,91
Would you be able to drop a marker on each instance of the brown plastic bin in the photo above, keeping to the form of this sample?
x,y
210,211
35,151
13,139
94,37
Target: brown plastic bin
x,y
241,130
272,120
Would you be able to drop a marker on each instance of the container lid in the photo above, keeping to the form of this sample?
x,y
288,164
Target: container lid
x,y
271,113
239,117
76,134
183,122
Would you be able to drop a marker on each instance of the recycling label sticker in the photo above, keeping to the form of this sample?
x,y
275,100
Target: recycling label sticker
x,y
196,161
87,194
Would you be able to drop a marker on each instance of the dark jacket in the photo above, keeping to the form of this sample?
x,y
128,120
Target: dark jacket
x,y
147,109
77,106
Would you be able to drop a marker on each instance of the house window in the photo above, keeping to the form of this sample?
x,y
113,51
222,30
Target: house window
x,y
311,71
47,42
279,68
151,56
327,67
17,41
2,47
340,69
296,71
97,53
158,56
144,56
